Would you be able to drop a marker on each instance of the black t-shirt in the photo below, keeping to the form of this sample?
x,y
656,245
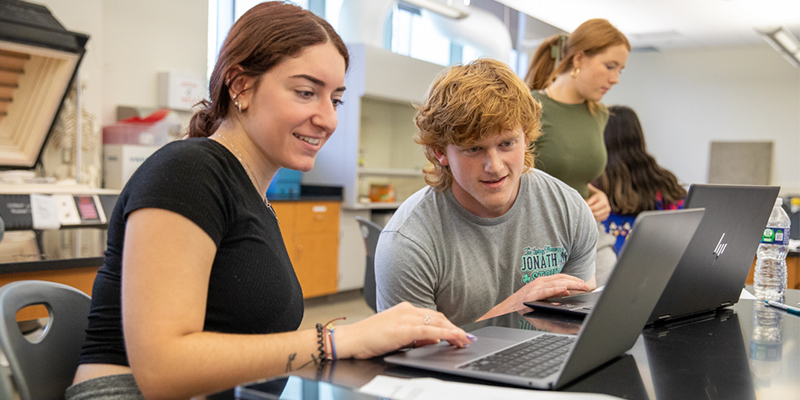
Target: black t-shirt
x,y
252,288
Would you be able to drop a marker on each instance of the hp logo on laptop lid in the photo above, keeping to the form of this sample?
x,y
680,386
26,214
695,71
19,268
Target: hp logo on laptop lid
x,y
720,248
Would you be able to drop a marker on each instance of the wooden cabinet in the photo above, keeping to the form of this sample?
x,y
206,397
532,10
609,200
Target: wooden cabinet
x,y
310,231
79,278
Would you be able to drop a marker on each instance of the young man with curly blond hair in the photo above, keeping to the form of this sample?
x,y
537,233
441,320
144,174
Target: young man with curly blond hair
x,y
489,232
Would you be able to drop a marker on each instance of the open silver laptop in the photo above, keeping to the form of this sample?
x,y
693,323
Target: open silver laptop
x,y
714,267
656,243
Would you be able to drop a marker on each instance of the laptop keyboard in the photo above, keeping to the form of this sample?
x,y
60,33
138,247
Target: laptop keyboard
x,y
534,358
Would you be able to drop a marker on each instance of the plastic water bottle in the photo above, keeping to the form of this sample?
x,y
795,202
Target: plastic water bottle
x,y
770,274
766,344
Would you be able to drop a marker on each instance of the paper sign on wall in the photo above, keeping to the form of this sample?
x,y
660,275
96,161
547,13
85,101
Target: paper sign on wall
x,y
44,211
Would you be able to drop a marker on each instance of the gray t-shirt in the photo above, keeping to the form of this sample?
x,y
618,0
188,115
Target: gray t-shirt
x,y
435,254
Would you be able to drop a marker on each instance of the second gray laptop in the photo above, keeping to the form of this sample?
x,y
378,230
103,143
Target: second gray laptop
x,y
714,267
549,360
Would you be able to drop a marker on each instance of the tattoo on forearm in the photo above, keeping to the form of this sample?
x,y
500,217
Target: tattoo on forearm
x,y
292,356
314,360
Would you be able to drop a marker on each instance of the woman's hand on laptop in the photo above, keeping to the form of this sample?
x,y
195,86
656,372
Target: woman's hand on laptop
x,y
540,288
398,327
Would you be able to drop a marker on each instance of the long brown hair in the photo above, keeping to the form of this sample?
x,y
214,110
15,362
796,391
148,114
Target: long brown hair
x,y
469,103
590,38
632,177
260,39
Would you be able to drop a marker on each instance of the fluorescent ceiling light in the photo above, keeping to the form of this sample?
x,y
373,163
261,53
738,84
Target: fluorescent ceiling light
x,y
785,42
439,8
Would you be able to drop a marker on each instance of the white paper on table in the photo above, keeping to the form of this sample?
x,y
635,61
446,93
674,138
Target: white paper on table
x,y
435,389
746,295
44,212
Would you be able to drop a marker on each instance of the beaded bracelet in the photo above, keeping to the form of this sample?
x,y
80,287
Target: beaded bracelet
x,y
320,341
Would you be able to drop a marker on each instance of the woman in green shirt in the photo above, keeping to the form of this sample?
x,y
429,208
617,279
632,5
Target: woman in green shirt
x,y
569,75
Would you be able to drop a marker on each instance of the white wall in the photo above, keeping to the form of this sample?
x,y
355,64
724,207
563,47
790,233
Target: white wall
x,y
130,42
145,37
85,16
687,99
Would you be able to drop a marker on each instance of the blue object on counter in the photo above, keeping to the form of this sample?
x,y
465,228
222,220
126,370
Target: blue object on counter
x,y
285,184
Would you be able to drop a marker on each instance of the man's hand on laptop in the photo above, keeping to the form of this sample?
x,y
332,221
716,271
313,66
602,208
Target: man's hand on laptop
x,y
577,292
540,288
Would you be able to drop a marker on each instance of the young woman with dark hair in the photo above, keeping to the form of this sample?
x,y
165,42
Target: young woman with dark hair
x,y
197,292
632,179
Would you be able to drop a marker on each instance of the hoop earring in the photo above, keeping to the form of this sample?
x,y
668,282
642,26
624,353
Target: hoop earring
x,y
575,72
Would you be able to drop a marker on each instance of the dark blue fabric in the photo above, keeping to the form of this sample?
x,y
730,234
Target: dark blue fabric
x,y
620,224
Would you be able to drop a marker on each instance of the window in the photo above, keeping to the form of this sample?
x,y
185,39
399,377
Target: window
x,y
222,14
414,32
410,30
414,35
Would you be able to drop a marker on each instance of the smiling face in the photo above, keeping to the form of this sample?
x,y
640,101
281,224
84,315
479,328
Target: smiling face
x,y
292,111
486,175
600,72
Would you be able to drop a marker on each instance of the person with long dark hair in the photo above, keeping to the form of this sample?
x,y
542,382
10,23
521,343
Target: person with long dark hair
x,y
197,293
632,179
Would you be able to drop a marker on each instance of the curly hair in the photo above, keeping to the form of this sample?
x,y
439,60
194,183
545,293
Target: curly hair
x,y
469,103
632,177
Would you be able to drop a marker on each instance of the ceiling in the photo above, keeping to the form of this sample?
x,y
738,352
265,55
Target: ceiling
x,y
669,24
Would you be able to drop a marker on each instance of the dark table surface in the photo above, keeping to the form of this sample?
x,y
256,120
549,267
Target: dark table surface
x,y
45,250
747,351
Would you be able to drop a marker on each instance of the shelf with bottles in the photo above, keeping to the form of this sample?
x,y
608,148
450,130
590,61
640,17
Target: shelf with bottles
x,y
388,155
395,189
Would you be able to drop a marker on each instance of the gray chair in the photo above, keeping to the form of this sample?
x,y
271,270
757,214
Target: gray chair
x,y
43,368
370,232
